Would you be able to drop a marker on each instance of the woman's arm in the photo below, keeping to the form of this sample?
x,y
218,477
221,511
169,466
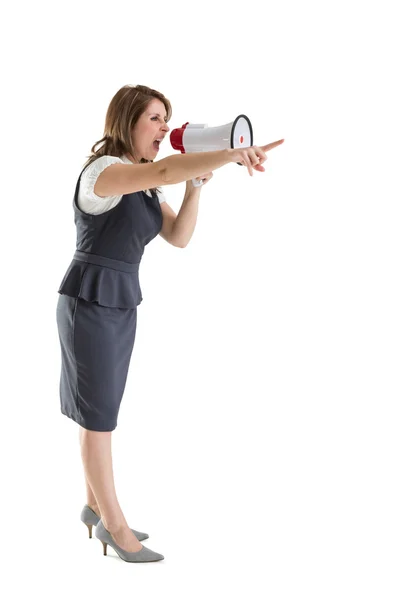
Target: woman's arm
x,y
181,167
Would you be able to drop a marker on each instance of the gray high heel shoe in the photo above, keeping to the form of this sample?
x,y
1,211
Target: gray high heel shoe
x,y
142,555
90,518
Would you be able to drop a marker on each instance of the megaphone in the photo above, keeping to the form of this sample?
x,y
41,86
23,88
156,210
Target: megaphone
x,y
201,138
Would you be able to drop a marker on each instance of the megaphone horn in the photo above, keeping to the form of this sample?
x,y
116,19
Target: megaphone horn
x,y
201,138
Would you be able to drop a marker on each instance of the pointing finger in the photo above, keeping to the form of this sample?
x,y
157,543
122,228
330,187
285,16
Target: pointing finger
x,y
272,145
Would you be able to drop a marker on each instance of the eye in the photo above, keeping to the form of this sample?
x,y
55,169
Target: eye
x,y
157,118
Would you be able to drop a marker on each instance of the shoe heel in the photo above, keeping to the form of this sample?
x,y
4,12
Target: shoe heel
x,y
90,527
104,548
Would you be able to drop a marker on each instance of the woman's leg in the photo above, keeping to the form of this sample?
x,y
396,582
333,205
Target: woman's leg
x,y
91,498
97,462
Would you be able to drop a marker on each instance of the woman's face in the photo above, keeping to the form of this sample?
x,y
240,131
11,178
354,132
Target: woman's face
x,y
150,126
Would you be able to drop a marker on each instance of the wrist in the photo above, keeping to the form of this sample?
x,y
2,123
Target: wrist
x,y
228,154
190,188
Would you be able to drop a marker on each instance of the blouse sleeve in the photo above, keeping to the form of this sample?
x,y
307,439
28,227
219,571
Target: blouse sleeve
x,y
161,196
88,201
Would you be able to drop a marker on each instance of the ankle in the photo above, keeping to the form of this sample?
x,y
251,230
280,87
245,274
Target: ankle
x,y
115,527
94,507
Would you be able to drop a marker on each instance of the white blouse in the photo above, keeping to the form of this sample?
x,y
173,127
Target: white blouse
x,y
88,201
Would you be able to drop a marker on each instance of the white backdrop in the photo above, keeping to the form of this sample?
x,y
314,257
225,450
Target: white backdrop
x,y
257,440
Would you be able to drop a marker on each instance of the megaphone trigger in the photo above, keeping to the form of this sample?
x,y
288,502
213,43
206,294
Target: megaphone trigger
x,y
197,183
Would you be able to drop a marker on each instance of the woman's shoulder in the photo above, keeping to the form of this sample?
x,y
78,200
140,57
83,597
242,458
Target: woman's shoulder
x,y
88,201
99,164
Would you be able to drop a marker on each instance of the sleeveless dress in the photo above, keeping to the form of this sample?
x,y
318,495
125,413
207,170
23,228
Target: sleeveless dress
x,y
97,307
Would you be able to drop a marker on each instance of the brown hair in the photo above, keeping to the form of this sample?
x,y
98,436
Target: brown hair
x,y
123,112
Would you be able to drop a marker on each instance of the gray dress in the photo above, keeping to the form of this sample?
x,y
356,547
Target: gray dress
x,y
97,307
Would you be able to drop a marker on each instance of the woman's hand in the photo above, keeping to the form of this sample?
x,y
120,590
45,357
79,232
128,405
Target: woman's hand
x,y
206,177
253,156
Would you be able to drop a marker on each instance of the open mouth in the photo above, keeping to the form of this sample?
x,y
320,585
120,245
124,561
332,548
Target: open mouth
x,y
156,145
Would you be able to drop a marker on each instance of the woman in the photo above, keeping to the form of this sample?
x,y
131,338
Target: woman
x,y
118,209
